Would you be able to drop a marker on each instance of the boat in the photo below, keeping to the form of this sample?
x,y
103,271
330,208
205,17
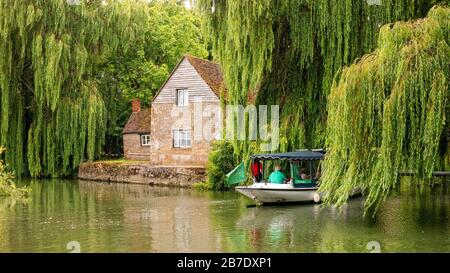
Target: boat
x,y
297,188
284,193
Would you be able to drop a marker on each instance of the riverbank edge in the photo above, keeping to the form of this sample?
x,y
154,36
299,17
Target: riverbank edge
x,y
141,173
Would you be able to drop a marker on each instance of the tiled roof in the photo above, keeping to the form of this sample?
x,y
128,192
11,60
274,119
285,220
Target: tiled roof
x,y
209,71
138,123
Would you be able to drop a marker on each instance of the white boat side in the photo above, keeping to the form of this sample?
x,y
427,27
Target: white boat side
x,y
282,193
279,193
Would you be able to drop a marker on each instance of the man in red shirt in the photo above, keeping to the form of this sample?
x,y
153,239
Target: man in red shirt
x,y
257,170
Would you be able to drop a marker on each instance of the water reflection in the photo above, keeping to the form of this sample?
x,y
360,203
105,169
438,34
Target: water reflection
x,y
134,218
414,222
307,228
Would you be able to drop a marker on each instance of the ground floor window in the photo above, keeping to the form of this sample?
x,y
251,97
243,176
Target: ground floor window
x,y
145,140
182,138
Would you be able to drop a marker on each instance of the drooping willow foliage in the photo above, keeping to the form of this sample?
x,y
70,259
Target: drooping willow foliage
x,y
52,114
390,111
287,52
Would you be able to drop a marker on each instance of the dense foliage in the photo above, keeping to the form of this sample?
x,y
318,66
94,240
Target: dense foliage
x,y
68,67
221,161
168,31
288,52
389,111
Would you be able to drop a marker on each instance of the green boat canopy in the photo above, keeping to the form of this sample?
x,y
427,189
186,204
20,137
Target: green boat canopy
x,y
304,155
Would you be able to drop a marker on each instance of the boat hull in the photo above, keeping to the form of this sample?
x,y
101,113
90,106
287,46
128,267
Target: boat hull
x,y
280,194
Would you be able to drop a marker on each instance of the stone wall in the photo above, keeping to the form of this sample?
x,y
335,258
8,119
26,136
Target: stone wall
x,y
141,173
168,117
133,149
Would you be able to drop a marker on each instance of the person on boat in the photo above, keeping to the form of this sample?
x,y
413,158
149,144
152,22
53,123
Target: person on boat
x,y
277,176
318,174
304,175
257,170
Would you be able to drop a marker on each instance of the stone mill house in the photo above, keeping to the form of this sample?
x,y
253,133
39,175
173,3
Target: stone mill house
x,y
182,120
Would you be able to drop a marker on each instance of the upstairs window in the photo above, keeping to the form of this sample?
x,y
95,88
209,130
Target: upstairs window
x,y
182,97
145,140
182,139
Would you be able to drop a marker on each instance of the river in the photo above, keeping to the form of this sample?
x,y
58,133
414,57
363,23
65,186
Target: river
x,y
102,217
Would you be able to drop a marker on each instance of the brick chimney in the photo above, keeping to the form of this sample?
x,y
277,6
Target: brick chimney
x,y
135,105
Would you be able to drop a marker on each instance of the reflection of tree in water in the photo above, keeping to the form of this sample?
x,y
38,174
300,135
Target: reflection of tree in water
x,y
120,217
418,221
58,212
6,205
225,209
418,216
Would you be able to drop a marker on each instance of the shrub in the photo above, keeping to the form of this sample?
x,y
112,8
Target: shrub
x,y
221,161
7,185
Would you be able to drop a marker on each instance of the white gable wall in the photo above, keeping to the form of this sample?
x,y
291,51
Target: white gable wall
x,y
185,77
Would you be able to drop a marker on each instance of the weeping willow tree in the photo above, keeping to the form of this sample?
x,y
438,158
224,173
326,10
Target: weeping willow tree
x,y
389,111
287,53
51,113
